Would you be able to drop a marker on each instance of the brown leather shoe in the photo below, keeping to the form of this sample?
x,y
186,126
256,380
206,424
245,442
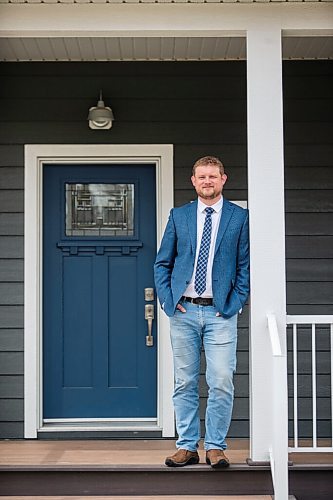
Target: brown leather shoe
x,y
217,459
182,458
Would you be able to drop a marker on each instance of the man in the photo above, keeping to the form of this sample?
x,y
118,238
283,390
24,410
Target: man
x,y
202,281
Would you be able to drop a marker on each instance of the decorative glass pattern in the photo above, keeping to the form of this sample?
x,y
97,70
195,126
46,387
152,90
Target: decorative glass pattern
x,y
99,210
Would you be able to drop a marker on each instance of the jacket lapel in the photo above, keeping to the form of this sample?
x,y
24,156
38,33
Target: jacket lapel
x,y
227,210
192,223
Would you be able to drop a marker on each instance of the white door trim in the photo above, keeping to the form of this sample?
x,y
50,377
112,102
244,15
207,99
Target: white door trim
x,y
35,157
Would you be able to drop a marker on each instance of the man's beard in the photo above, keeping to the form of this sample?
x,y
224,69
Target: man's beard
x,y
206,196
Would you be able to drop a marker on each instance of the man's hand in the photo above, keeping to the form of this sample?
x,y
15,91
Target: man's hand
x,y
181,308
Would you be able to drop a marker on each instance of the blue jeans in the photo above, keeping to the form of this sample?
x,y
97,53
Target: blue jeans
x,y
198,327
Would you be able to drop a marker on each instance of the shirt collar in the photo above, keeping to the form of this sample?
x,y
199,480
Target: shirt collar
x,y
217,206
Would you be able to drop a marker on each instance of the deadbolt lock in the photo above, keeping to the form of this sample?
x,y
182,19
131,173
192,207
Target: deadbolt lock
x,y
149,294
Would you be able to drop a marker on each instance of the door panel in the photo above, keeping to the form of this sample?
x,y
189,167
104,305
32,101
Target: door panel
x,y
99,244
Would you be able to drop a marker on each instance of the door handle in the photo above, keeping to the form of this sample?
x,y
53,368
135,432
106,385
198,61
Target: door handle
x,y
149,316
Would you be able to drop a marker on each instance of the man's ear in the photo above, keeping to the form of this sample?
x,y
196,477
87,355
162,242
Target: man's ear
x,y
193,180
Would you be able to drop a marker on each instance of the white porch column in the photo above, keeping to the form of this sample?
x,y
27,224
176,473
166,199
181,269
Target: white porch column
x,y
267,230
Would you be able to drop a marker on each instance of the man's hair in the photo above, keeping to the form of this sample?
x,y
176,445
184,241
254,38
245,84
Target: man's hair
x,y
208,160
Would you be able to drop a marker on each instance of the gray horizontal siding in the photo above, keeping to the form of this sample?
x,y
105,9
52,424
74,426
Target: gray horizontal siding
x,y
300,132
140,86
11,200
12,387
309,230
298,87
11,410
11,270
309,155
129,110
305,309
11,293
302,177
11,274
13,157
304,247
11,247
67,132
10,177
11,430
11,317
201,109
316,293
11,363
309,270
11,339
232,155
315,109
305,201
314,224
102,70
11,224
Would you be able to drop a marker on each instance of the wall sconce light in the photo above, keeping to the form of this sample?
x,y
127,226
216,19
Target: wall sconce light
x,y
100,117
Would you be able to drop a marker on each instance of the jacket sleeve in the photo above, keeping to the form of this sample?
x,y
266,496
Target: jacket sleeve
x,y
165,261
242,281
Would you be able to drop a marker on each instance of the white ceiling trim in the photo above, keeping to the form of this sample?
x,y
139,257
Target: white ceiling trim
x,y
166,20
123,49
153,49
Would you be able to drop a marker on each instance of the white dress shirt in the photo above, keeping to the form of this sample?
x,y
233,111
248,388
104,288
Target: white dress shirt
x,y
201,215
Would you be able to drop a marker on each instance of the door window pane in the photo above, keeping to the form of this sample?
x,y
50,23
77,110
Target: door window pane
x,y
99,210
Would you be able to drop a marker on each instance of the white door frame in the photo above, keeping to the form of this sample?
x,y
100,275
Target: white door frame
x,y
35,157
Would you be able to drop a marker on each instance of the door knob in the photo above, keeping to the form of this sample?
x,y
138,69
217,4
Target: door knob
x,y
149,316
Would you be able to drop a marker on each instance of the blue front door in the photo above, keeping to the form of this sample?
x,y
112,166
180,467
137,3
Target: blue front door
x,y
99,244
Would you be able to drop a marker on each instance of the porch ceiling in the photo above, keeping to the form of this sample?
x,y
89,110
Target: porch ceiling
x,y
152,48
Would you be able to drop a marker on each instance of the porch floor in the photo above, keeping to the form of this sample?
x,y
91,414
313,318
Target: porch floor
x,y
101,452
121,452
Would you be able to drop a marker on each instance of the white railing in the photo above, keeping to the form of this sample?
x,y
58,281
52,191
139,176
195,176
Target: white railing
x,y
279,417
312,322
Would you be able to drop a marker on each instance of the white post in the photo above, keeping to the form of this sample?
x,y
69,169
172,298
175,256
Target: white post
x,y
267,231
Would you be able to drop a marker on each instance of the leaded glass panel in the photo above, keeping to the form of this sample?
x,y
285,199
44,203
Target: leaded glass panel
x,y
99,210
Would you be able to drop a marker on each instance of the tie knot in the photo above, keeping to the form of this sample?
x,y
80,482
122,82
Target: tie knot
x,y
209,210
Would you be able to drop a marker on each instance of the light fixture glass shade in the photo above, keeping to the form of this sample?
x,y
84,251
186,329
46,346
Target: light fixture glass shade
x,y
100,116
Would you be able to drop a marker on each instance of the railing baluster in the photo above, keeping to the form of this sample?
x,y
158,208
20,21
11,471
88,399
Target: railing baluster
x,y
295,385
314,321
314,386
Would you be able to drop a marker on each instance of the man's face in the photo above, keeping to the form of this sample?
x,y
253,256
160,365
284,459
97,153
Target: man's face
x,y
208,182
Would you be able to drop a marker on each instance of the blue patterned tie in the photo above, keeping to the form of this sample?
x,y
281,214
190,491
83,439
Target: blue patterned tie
x,y
201,270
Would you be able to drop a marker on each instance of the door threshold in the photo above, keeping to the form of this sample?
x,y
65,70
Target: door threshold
x,y
95,425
